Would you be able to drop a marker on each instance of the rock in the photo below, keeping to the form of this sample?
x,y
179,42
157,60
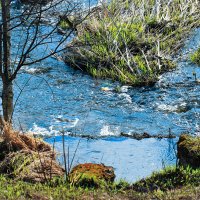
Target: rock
x,y
106,89
145,135
189,150
91,175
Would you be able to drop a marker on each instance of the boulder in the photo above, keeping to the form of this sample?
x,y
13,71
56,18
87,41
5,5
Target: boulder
x,y
91,175
189,150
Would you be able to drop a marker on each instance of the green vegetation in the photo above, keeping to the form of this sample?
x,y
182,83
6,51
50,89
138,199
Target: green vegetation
x,y
166,184
195,57
29,171
64,25
169,178
132,41
189,150
90,174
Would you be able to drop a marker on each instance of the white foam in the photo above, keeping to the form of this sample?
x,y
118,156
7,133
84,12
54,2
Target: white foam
x,y
169,108
41,131
105,131
30,70
127,97
124,88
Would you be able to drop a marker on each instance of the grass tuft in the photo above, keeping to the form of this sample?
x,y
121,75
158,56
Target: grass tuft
x,y
195,57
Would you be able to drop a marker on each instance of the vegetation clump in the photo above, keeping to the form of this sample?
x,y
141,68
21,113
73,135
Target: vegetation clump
x,y
26,158
169,178
195,57
91,175
132,41
189,150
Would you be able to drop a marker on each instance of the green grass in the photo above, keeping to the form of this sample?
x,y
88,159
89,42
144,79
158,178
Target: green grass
x,y
171,183
195,57
132,46
64,25
169,178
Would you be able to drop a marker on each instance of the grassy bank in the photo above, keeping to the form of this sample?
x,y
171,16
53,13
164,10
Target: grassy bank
x,y
171,183
132,41
28,170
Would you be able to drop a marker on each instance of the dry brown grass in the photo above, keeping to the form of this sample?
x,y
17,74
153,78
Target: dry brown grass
x,y
17,141
27,158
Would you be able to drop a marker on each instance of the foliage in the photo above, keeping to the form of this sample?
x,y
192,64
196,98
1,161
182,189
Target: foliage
x,y
133,41
91,175
58,189
195,57
169,178
189,150
191,143
63,24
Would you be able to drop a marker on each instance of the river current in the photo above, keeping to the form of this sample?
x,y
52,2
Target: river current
x,y
59,99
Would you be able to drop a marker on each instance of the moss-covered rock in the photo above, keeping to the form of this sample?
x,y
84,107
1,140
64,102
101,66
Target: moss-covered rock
x,y
91,175
189,150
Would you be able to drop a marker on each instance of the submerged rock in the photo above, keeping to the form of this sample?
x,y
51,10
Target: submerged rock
x,y
189,150
92,175
145,135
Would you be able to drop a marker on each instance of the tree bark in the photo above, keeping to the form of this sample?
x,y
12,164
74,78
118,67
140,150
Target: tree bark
x,y
6,37
7,100
7,92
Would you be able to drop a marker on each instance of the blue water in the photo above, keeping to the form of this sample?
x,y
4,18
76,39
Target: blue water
x,y
131,159
62,99
74,102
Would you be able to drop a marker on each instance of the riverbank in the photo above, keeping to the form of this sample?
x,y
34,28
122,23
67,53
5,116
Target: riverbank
x,y
10,189
29,171
132,42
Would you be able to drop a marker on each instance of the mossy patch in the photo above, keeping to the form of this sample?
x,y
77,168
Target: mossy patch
x,y
91,175
189,150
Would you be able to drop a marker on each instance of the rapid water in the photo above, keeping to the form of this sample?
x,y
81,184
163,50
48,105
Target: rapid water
x,y
57,98
74,102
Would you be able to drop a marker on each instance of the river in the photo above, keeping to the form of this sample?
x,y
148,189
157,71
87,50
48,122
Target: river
x,y
59,99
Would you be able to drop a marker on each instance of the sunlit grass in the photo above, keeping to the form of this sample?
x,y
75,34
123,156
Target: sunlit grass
x,y
195,57
131,42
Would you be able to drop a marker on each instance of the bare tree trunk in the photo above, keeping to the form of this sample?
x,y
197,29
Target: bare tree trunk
x,y
7,93
7,100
